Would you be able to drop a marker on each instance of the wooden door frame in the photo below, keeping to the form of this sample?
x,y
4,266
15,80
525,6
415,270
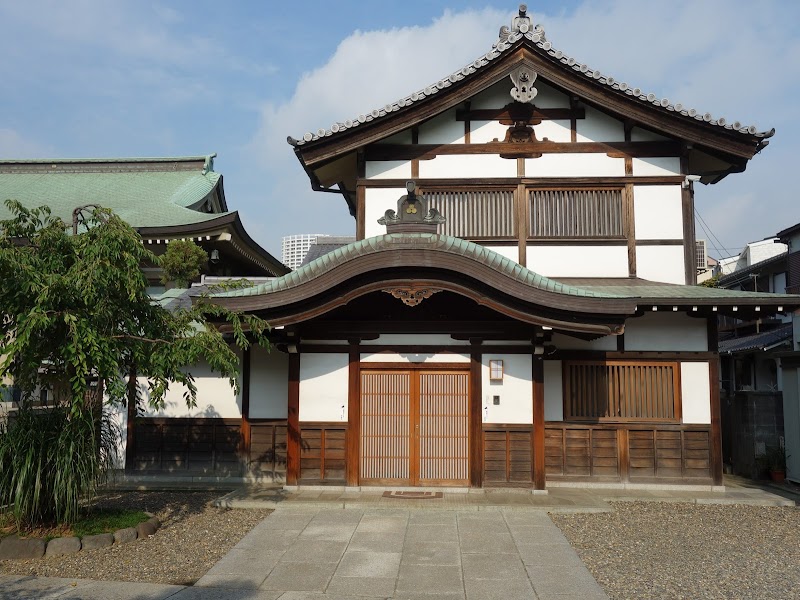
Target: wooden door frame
x,y
353,440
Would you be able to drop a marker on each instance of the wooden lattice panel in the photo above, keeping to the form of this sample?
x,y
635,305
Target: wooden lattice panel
x,y
385,426
444,427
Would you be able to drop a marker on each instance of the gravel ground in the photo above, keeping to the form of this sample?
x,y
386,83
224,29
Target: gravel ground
x,y
193,536
659,550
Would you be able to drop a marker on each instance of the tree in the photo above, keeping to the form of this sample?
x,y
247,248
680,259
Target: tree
x,y
182,262
77,320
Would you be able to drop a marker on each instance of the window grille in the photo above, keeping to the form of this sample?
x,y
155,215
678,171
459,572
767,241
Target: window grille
x,y
578,213
475,214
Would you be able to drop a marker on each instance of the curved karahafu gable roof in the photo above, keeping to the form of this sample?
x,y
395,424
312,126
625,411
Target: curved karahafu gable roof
x,y
416,263
523,32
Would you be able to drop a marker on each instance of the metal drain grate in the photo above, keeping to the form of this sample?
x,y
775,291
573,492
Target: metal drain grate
x,y
413,495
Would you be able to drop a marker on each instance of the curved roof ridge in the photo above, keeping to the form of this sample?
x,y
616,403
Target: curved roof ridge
x,y
509,38
428,241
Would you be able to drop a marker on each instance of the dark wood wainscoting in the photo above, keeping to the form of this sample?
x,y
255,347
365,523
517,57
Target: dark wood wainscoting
x,y
628,452
187,446
507,455
268,449
209,446
322,453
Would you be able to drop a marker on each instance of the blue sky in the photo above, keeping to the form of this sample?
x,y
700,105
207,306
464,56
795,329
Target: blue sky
x,y
95,78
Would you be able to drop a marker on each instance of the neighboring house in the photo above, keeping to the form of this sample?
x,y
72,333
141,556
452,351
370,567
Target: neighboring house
x,y
753,254
707,267
164,199
790,360
518,307
295,247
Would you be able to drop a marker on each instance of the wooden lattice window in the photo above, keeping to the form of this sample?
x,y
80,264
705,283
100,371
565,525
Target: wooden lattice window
x,y
475,213
621,391
577,213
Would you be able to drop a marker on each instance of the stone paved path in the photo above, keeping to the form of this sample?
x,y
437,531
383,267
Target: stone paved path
x,y
297,554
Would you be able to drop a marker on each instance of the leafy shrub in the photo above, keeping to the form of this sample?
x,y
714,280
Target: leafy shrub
x,y
182,262
52,461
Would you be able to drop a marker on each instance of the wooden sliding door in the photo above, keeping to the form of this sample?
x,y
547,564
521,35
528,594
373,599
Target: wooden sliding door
x,y
414,427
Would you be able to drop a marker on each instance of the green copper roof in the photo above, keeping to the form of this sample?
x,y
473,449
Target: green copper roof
x,y
143,197
426,241
656,291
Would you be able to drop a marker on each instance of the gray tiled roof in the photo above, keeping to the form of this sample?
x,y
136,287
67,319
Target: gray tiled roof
x,y
325,244
509,38
757,341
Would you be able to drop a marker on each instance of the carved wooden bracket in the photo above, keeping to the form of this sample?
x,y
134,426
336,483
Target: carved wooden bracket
x,y
412,296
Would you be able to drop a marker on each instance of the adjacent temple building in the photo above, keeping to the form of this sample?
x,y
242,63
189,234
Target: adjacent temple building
x,y
518,307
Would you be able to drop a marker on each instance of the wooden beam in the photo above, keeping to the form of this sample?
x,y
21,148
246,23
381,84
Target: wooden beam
x,y
476,419
245,431
538,423
431,151
687,210
539,182
531,114
716,411
130,425
361,208
353,438
629,225
521,200
293,422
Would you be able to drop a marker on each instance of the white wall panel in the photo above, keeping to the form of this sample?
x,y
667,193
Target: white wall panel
x,y
547,96
416,339
466,166
660,263
482,132
269,383
666,331
497,96
566,342
554,131
442,129
553,391
645,135
376,202
388,169
695,393
599,127
215,396
575,165
661,165
323,387
657,211
404,137
511,252
515,390
413,358
578,261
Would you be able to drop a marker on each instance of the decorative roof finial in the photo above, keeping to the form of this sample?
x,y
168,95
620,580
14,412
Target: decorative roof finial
x,y
413,214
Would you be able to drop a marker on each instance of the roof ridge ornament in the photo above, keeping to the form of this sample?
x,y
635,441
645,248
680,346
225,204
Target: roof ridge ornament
x,y
413,214
521,25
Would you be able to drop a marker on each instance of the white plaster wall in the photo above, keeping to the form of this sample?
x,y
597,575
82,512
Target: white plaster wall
x,y
657,212
119,417
269,383
554,131
661,165
553,391
482,132
645,135
515,391
666,331
376,202
324,387
578,261
404,137
442,129
467,165
547,97
660,263
496,96
566,342
388,169
215,396
695,393
413,358
511,252
575,165
599,127
415,339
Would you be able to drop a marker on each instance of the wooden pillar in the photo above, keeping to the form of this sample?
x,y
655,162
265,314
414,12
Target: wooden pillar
x,y
293,422
244,447
353,438
537,373
716,413
130,426
689,236
522,212
476,419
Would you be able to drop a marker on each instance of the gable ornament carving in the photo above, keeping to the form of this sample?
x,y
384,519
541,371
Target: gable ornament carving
x,y
523,90
412,215
412,296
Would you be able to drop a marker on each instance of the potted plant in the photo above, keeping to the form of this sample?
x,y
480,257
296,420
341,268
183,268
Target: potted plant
x,y
776,463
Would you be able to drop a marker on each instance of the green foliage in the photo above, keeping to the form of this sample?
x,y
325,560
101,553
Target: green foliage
x,y
182,262
50,460
712,282
775,458
78,321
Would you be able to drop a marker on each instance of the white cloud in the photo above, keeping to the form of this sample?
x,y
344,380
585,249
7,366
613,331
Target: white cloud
x,y
13,145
